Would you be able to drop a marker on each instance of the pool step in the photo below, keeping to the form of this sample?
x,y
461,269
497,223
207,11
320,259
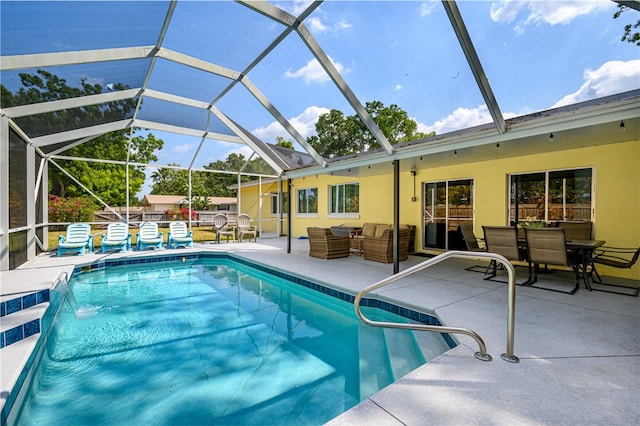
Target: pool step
x,y
402,351
21,316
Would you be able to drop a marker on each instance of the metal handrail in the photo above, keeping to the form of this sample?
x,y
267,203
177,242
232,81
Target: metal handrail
x,y
482,353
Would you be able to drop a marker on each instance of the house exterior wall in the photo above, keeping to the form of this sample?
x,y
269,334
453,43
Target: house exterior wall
x,y
616,180
250,204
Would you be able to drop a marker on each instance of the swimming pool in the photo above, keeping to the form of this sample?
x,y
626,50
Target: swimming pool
x,y
212,340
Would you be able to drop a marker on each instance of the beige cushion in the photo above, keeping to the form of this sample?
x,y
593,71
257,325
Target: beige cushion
x,y
380,230
368,230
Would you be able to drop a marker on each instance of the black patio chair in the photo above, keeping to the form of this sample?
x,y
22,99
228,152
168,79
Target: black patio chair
x,y
615,257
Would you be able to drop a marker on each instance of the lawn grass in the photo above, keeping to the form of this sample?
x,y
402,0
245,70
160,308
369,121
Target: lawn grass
x,y
200,234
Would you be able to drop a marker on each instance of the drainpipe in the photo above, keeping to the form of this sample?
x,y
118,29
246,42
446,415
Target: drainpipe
x,y
289,215
396,216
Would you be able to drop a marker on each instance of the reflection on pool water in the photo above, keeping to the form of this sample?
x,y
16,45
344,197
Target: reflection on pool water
x,y
211,341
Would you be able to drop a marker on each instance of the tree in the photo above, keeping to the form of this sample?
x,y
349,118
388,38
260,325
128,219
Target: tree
x,y
339,135
280,141
107,181
169,181
628,36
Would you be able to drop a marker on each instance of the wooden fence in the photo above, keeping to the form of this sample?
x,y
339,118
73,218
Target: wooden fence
x,y
204,218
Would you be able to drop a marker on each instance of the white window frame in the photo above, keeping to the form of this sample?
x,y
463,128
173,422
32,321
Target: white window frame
x,y
306,214
343,215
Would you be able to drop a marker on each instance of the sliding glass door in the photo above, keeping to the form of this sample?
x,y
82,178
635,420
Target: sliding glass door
x,y
447,204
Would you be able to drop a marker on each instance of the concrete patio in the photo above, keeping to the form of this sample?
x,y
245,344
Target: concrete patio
x,y
579,355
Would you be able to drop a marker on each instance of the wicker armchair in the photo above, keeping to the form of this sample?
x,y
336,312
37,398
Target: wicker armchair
x,y
380,249
324,245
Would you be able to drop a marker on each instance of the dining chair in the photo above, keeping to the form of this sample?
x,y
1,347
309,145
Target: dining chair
x,y
614,257
576,230
548,246
502,240
471,243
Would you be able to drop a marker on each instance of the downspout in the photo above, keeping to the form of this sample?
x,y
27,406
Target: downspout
x,y
127,176
189,195
289,215
396,216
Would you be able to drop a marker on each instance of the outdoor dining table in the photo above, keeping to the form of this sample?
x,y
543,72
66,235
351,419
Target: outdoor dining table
x,y
584,249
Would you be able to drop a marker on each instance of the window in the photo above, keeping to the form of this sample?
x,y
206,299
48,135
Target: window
x,y
560,195
308,201
345,198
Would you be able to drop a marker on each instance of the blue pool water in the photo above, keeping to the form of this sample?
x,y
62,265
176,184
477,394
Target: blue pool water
x,y
211,341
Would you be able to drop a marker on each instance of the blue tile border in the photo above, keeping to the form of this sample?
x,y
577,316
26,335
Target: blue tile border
x,y
19,303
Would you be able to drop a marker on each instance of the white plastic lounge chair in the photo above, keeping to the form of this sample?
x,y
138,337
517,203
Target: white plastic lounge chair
x,y
78,238
245,228
179,236
221,228
117,237
148,236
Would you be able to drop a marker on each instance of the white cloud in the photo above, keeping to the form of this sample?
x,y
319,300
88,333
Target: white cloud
x,y
427,8
296,7
316,25
549,12
612,77
461,118
313,72
186,147
398,87
506,11
305,124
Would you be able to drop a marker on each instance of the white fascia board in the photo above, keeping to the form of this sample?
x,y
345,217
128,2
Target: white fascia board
x,y
72,135
40,60
152,125
62,104
555,121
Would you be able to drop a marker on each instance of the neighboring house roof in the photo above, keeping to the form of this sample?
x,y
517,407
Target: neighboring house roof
x,y
177,199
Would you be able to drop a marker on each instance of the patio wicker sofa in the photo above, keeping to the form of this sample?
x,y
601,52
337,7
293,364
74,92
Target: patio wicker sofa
x,y
377,244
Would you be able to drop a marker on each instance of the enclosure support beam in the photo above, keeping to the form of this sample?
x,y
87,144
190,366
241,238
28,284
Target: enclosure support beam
x,y
4,193
31,202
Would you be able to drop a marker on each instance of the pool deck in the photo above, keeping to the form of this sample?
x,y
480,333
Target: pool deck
x,y
579,355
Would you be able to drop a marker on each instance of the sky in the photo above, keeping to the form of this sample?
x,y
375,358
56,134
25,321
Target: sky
x,y
536,55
